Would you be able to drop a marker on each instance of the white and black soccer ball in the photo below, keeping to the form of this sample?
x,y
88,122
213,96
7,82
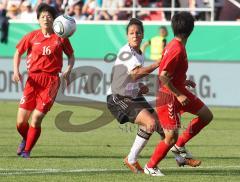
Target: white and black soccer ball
x,y
64,26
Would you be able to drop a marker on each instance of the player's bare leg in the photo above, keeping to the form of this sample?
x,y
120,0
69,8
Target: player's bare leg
x,y
146,120
160,152
146,123
37,118
22,127
33,132
183,157
158,127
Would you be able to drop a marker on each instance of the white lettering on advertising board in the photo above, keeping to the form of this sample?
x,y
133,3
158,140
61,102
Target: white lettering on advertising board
x,y
217,83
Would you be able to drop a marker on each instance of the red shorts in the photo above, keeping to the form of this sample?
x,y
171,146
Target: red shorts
x,y
40,92
169,110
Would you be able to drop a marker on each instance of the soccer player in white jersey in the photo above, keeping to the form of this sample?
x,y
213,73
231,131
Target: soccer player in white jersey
x,y
125,98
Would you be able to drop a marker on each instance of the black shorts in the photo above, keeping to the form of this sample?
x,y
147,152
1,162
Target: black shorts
x,y
126,109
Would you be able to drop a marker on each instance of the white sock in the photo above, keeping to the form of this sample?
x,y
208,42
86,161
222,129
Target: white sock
x,y
137,147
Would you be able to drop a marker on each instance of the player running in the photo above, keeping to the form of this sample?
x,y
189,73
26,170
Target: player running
x,y
44,63
174,99
125,97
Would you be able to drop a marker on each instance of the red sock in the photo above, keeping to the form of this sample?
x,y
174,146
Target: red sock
x,y
23,129
160,152
32,137
195,126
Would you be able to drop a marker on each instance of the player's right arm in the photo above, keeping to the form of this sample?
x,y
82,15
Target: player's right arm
x,y
143,88
16,62
140,72
165,79
21,47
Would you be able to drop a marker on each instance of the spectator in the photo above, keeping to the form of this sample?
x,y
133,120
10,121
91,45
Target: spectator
x,y
218,7
78,15
168,4
112,12
3,26
152,15
26,12
143,15
199,15
12,11
70,6
89,8
58,5
229,12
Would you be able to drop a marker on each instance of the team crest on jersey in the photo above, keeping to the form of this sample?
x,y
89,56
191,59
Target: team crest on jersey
x,y
57,42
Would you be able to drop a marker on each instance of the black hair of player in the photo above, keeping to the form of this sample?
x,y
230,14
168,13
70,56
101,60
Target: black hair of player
x,y
135,21
43,7
182,24
163,28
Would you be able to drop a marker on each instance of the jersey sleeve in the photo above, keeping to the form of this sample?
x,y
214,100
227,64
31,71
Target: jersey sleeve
x,y
24,44
132,63
170,61
127,59
67,47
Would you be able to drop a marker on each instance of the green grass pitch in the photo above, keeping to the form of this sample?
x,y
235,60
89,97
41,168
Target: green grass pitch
x,y
97,155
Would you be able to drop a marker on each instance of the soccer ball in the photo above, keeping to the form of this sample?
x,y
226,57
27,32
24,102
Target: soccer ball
x,y
64,26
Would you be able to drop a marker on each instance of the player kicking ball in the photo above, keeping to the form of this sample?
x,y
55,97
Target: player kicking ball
x,y
44,63
174,99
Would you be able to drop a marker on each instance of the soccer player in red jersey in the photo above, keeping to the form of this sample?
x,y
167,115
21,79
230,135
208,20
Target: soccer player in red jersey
x,y
174,99
44,63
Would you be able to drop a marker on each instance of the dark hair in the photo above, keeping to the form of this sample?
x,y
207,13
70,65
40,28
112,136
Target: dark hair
x,y
135,21
45,7
163,27
182,24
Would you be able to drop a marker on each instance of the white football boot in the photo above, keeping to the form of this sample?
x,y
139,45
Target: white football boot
x,y
184,157
153,171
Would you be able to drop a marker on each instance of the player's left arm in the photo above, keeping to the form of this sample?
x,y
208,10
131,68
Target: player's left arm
x,y
68,50
165,79
67,72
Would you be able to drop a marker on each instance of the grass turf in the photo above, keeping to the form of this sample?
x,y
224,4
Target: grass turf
x,y
97,155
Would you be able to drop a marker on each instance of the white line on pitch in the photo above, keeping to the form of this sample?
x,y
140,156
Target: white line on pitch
x,y
46,171
50,170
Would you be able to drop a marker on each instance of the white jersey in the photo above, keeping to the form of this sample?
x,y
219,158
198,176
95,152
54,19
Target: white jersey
x,y
127,60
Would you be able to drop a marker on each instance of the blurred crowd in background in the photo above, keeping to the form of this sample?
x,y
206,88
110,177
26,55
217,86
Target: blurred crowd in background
x,y
83,10
88,10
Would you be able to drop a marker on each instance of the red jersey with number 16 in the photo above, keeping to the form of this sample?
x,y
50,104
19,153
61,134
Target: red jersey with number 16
x,y
174,61
44,53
